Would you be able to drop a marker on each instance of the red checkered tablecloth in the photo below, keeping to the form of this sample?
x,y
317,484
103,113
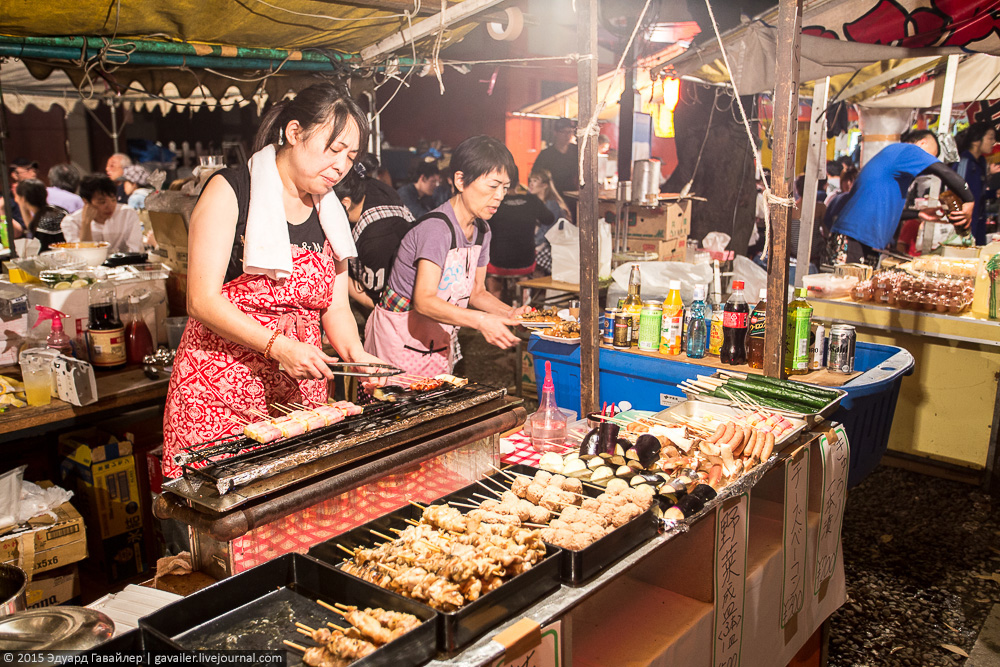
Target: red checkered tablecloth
x,y
516,449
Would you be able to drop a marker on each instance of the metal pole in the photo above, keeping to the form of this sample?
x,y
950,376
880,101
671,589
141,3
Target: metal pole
x,y
114,124
815,166
5,178
626,122
586,211
786,108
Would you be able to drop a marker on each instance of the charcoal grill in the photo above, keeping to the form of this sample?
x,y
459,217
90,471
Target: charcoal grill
x,y
246,503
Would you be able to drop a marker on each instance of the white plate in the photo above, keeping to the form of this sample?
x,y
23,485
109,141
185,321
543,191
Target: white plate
x,y
537,325
558,339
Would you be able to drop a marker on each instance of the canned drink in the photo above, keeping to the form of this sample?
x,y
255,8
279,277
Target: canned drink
x,y
650,320
818,349
622,336
842,343
608,326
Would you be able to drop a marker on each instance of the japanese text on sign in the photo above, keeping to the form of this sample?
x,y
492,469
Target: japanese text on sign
x,y
730,580
793,587
835,453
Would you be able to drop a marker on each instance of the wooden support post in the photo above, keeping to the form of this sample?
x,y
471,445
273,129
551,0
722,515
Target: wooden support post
x,y
786,118
586,211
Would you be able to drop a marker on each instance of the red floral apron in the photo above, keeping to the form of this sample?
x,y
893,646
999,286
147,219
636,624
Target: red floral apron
x,y
216,380
417,344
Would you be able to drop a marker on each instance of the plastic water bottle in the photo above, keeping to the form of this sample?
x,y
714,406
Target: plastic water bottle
x,y
548,424
698,328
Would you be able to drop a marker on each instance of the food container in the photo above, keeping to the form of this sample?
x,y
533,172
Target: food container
x,y
829,286
64,628
458,628
810,418
257,609
92,253
13,582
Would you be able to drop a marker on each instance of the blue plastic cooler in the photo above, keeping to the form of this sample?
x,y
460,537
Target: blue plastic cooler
x,y
650,383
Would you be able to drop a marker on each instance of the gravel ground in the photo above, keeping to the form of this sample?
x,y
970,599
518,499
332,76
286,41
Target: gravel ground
x,y
922,565
916,551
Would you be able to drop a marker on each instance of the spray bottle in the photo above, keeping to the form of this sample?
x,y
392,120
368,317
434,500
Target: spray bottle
x,y
56,340
548,424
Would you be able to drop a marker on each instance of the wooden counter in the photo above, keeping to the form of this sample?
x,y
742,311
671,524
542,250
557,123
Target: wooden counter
x,y
118,392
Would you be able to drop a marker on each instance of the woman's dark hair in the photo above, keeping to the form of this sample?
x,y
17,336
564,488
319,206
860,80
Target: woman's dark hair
x,y
478,156
970,135
65,177
354,185
913,136
314,107
95,183
849,174
32,191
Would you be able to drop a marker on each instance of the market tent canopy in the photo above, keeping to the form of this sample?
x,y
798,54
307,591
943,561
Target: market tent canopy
x,y
853,39
978,78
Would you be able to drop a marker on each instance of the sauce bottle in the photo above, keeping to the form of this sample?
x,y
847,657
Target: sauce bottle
x,y
734,327
105,331
548,424
755,333
138,341
673,320
633,302
797,334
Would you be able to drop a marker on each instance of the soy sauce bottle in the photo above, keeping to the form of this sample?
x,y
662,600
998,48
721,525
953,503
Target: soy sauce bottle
x,y
734,327
105,331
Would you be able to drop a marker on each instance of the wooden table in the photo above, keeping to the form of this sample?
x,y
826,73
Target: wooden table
x,y
118,391
546,283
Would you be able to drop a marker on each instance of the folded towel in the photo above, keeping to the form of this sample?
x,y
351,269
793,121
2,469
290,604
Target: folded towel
x,y
268,250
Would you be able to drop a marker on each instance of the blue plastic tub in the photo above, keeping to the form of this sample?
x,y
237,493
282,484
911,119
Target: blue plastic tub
x,y
650,383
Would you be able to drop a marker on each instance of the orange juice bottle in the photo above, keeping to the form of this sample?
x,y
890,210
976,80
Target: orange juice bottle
x,y
673,321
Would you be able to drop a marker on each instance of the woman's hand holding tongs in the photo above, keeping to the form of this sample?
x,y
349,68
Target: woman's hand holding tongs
x,y
302,361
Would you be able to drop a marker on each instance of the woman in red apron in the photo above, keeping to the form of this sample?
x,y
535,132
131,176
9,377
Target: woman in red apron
x,y
268,249
437,281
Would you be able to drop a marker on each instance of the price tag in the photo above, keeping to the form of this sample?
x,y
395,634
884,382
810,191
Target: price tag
x,y
544,653
793,587
835,454
730,580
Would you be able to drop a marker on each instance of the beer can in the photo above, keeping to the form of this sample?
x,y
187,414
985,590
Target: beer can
x,y
649,326
818,346
841,355
622,336
608,326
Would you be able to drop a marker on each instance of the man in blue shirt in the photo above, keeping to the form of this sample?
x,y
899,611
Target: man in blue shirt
x,y
869,218
418,196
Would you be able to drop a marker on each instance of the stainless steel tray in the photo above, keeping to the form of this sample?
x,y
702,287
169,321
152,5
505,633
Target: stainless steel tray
x,y
722,412
810,418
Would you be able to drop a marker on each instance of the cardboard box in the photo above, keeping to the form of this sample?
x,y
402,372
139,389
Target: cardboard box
x,y
670,250
103,472
45,544
669,220
56,587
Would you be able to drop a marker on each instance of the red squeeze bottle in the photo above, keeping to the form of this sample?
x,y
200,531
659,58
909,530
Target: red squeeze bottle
x,y
138,341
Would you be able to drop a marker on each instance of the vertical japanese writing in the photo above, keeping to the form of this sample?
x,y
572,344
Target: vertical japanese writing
x,y
835,453
793,586
730,580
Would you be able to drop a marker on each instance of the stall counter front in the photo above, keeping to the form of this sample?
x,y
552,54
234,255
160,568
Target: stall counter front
x,y
948,410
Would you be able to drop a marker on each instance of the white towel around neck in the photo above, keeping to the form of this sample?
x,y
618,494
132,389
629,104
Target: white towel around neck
x,y
267,249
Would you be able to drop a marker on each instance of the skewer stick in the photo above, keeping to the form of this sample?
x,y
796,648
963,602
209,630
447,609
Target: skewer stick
x,y
338,627
488,488
304,632
479,495
281,408
344,606
326,605
412,522
297,647
432,547
386,567
344,549
382,535
240,422
416,504
335,610
469,505
497,482
260,414
303,626
534,525
503,472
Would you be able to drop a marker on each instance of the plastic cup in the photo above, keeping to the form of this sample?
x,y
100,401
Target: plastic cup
x,y
36,371
175,329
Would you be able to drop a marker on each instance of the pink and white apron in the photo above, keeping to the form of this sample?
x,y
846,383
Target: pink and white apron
x,y
216,381
413,342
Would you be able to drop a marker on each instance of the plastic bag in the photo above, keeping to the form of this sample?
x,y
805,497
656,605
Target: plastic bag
x,y
753,276
564,238
656,277
10,496
715,241
36,501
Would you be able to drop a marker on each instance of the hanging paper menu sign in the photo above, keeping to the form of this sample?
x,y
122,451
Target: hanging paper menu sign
x,y
528,645
730,580
793,587
835,454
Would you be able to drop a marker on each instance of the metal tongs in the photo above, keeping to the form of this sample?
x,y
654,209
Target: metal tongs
x,y
390,369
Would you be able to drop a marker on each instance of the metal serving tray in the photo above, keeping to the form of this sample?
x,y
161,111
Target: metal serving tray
x,y
700,407
578,567
810,418
257,609
458,628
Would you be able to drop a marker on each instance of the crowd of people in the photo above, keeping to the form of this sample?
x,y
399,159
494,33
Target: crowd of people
x,y
99,207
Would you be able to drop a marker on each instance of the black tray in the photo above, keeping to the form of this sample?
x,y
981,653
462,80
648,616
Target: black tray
x,y
458,628
579,567
257,609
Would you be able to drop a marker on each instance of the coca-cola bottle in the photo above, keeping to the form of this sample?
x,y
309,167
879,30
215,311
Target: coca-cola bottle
x,y
734,327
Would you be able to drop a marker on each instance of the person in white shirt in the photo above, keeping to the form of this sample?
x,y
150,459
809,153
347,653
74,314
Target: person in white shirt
x,y
102,218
